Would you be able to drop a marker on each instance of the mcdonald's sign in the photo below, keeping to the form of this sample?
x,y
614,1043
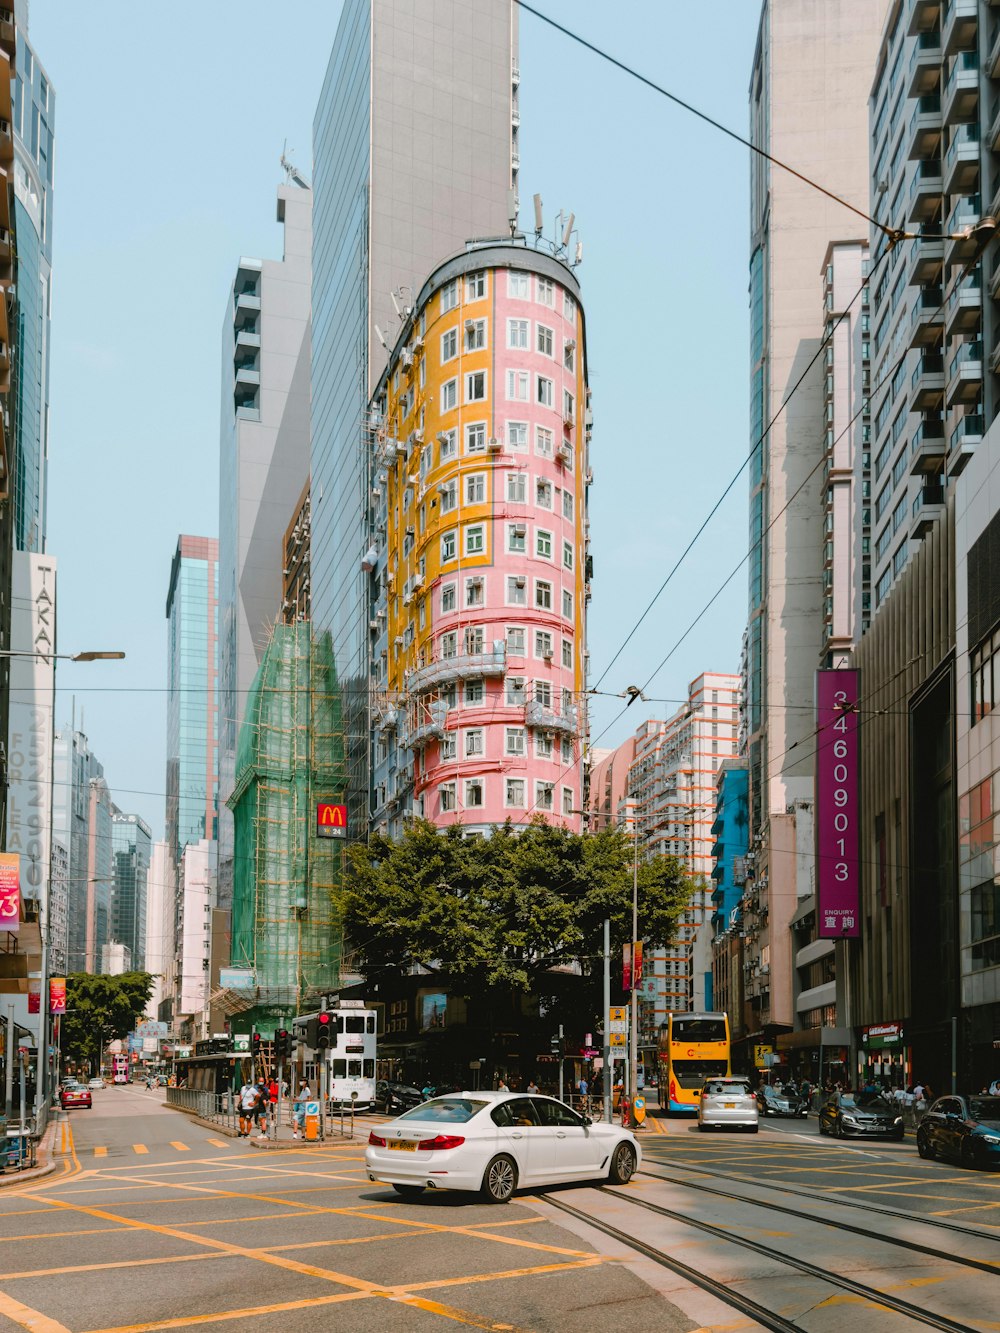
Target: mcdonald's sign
x,y
331,820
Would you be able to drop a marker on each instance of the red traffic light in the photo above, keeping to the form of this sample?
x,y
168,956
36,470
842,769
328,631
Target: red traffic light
x,y
323,1031
323,1019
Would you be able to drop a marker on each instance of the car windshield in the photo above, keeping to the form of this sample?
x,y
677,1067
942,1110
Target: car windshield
x,y
984,1108
454,1110
865,1101
722,1089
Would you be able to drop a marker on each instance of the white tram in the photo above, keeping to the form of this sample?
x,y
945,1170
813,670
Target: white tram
x,y
350,1058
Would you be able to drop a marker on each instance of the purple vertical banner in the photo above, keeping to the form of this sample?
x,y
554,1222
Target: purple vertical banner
x,y
838,870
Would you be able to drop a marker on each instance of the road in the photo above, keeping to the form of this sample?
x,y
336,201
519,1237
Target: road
x,y
154,1222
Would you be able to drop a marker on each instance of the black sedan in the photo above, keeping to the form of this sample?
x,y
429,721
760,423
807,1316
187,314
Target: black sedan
x,y
772,1102
965,1128
394,1098
864,1114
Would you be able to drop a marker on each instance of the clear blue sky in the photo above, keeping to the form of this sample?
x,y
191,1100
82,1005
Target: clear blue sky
x,y
170,125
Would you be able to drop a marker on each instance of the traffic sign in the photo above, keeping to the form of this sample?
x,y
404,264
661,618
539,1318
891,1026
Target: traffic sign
x,y
618,1014
616,1039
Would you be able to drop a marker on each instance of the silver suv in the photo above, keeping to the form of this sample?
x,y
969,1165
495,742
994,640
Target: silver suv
x,y
727,1102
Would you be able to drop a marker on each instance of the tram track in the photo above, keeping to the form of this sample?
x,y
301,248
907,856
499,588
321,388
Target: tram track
x,y
724,1292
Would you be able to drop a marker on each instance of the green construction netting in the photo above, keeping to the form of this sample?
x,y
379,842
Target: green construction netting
x,y
289,756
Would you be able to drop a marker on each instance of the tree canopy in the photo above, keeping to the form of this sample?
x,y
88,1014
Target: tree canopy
x,y
502,911
101,1009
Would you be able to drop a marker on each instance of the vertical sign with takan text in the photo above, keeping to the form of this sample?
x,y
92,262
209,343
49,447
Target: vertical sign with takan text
x,y
837,813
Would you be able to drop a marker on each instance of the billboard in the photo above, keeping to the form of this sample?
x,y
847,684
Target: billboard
x,y
57,995
838,886
331,820
32,682
10,891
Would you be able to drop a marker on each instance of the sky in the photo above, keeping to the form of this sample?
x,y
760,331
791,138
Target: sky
x,y
170,123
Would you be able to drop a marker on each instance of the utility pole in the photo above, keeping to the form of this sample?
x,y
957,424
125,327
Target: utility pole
x,y
608,1068
633,1042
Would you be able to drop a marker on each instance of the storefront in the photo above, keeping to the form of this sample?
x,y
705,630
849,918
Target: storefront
x,y
819,1054
883,1056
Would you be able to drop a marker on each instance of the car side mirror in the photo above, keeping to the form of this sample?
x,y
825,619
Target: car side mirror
x,y
587,1120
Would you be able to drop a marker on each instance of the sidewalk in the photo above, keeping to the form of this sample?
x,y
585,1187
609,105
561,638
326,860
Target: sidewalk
x,y
284,1140
45,1155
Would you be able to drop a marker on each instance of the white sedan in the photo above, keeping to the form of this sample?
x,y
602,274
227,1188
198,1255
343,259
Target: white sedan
x,y
493,1142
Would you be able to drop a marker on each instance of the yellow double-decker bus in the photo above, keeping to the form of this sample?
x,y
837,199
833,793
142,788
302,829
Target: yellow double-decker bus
x,y
693,1047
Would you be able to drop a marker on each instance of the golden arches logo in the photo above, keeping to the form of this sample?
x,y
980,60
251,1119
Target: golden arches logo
x,y
331,820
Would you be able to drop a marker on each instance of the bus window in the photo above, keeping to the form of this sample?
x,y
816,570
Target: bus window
x,y
355,1024
711,1027
339,1068
338,1024
354,1068
369,1069
370,1021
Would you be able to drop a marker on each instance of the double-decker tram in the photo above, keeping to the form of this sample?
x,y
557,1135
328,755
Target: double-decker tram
x,y
350,1054
694,1047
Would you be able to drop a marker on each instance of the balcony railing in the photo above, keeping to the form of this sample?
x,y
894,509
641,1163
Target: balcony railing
x,y
461,666
543,718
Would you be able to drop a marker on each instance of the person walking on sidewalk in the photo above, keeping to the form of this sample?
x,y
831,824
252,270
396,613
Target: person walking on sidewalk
x,y
299,1110
248,1101
260,1110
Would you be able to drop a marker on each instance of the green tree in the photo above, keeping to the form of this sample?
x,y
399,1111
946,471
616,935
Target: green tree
x,y
501,912
101,1009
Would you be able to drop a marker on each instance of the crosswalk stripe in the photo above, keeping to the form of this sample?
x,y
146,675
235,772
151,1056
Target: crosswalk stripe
x,y
139,1148
181,1147
100,1152
219,1143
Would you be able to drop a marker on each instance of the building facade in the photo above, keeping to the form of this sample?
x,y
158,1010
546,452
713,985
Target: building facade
x,y
415,150
479,563
264,466
193,941
81,824
158,949
811,76
131,842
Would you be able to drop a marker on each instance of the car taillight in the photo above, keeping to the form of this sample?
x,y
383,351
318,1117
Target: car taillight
x,y
439,1142
374,1141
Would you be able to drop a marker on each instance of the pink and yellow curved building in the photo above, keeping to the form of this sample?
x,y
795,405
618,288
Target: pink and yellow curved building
x,y
480,567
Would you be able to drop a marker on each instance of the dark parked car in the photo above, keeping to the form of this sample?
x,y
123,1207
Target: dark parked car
x,y
865,1114
965,1128
394,1098
773,1102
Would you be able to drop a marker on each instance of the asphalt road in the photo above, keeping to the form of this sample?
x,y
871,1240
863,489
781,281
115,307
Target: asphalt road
x,y
154,1222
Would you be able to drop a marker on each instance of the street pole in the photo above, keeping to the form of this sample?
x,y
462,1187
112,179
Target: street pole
x,y
608,1077
322,1081
633,1044
562,1064
10,1050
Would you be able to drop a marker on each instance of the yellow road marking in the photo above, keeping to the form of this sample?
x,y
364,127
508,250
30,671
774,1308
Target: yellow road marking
x,y
219,1143
591,1262
28,1318
139,1148
100,1152
181,1147
248,1312
117,1263
459,1316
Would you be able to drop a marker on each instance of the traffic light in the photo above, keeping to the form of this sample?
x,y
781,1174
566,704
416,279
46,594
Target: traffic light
x,y
556,1043
323,1032
282,1044
255,1044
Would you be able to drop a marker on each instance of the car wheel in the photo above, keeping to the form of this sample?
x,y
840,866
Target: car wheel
x,y
622,1167
752,1129
499,1181
926,1149
409,1191
968,1156
701,1127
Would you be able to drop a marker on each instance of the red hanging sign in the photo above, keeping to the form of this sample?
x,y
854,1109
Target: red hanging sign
x,y
10,891
57,995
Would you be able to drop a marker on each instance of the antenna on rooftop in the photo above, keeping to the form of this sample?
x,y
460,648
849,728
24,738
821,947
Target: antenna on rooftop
x,y
292,174
539,222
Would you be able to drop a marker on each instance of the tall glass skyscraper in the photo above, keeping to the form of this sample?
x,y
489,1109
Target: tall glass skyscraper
x,y
131,842
414,152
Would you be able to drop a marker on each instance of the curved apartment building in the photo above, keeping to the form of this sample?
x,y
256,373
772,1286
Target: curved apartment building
x,y
480,569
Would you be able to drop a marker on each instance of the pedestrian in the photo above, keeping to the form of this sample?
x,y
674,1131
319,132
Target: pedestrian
x,y
248,1100
299,1110
995,1088
532,1086
502,1086
260,1110
272,1091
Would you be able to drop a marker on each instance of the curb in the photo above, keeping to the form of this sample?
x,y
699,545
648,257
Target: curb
x,y
45,1168
265,1145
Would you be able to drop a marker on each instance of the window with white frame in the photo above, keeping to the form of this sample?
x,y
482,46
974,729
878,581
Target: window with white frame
x,y
567,555
449,345
543,544
449,296
449,395
543,442
543,339
543,795
449,599
475,334
449,496
473,639
569,356
475,592
475,438
567,653
543,644
543,595
514,742
517,436
475,488
543,493
475,793
514,793
475,539
446,796
449,745
447,445
567,749
425,461
515,696
518,285
449,644
517,592
475,286
449,547
545,392
450,696
515,640
517,540
517,487
569,309
475,386
567,800
567,505
543,745
543,693
569,406
545,291
422,613
473,742
517,386
517,334
474,693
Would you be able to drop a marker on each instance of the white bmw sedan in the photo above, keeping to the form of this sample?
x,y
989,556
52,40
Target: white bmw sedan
x,y
493,1142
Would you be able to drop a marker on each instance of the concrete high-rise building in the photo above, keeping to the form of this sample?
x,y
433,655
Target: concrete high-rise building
x,y
33,114
478,566
264,467
415,147
193,945
131,841
81,824
812,73
192,775
116,958
58,909
159,893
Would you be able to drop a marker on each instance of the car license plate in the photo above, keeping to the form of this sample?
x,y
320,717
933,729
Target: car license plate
x,y
729,1106
402,1146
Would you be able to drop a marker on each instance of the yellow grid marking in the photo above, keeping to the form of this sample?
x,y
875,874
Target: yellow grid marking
x,y
28,1318
218,1143
139,1148
181,1147
100,1152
